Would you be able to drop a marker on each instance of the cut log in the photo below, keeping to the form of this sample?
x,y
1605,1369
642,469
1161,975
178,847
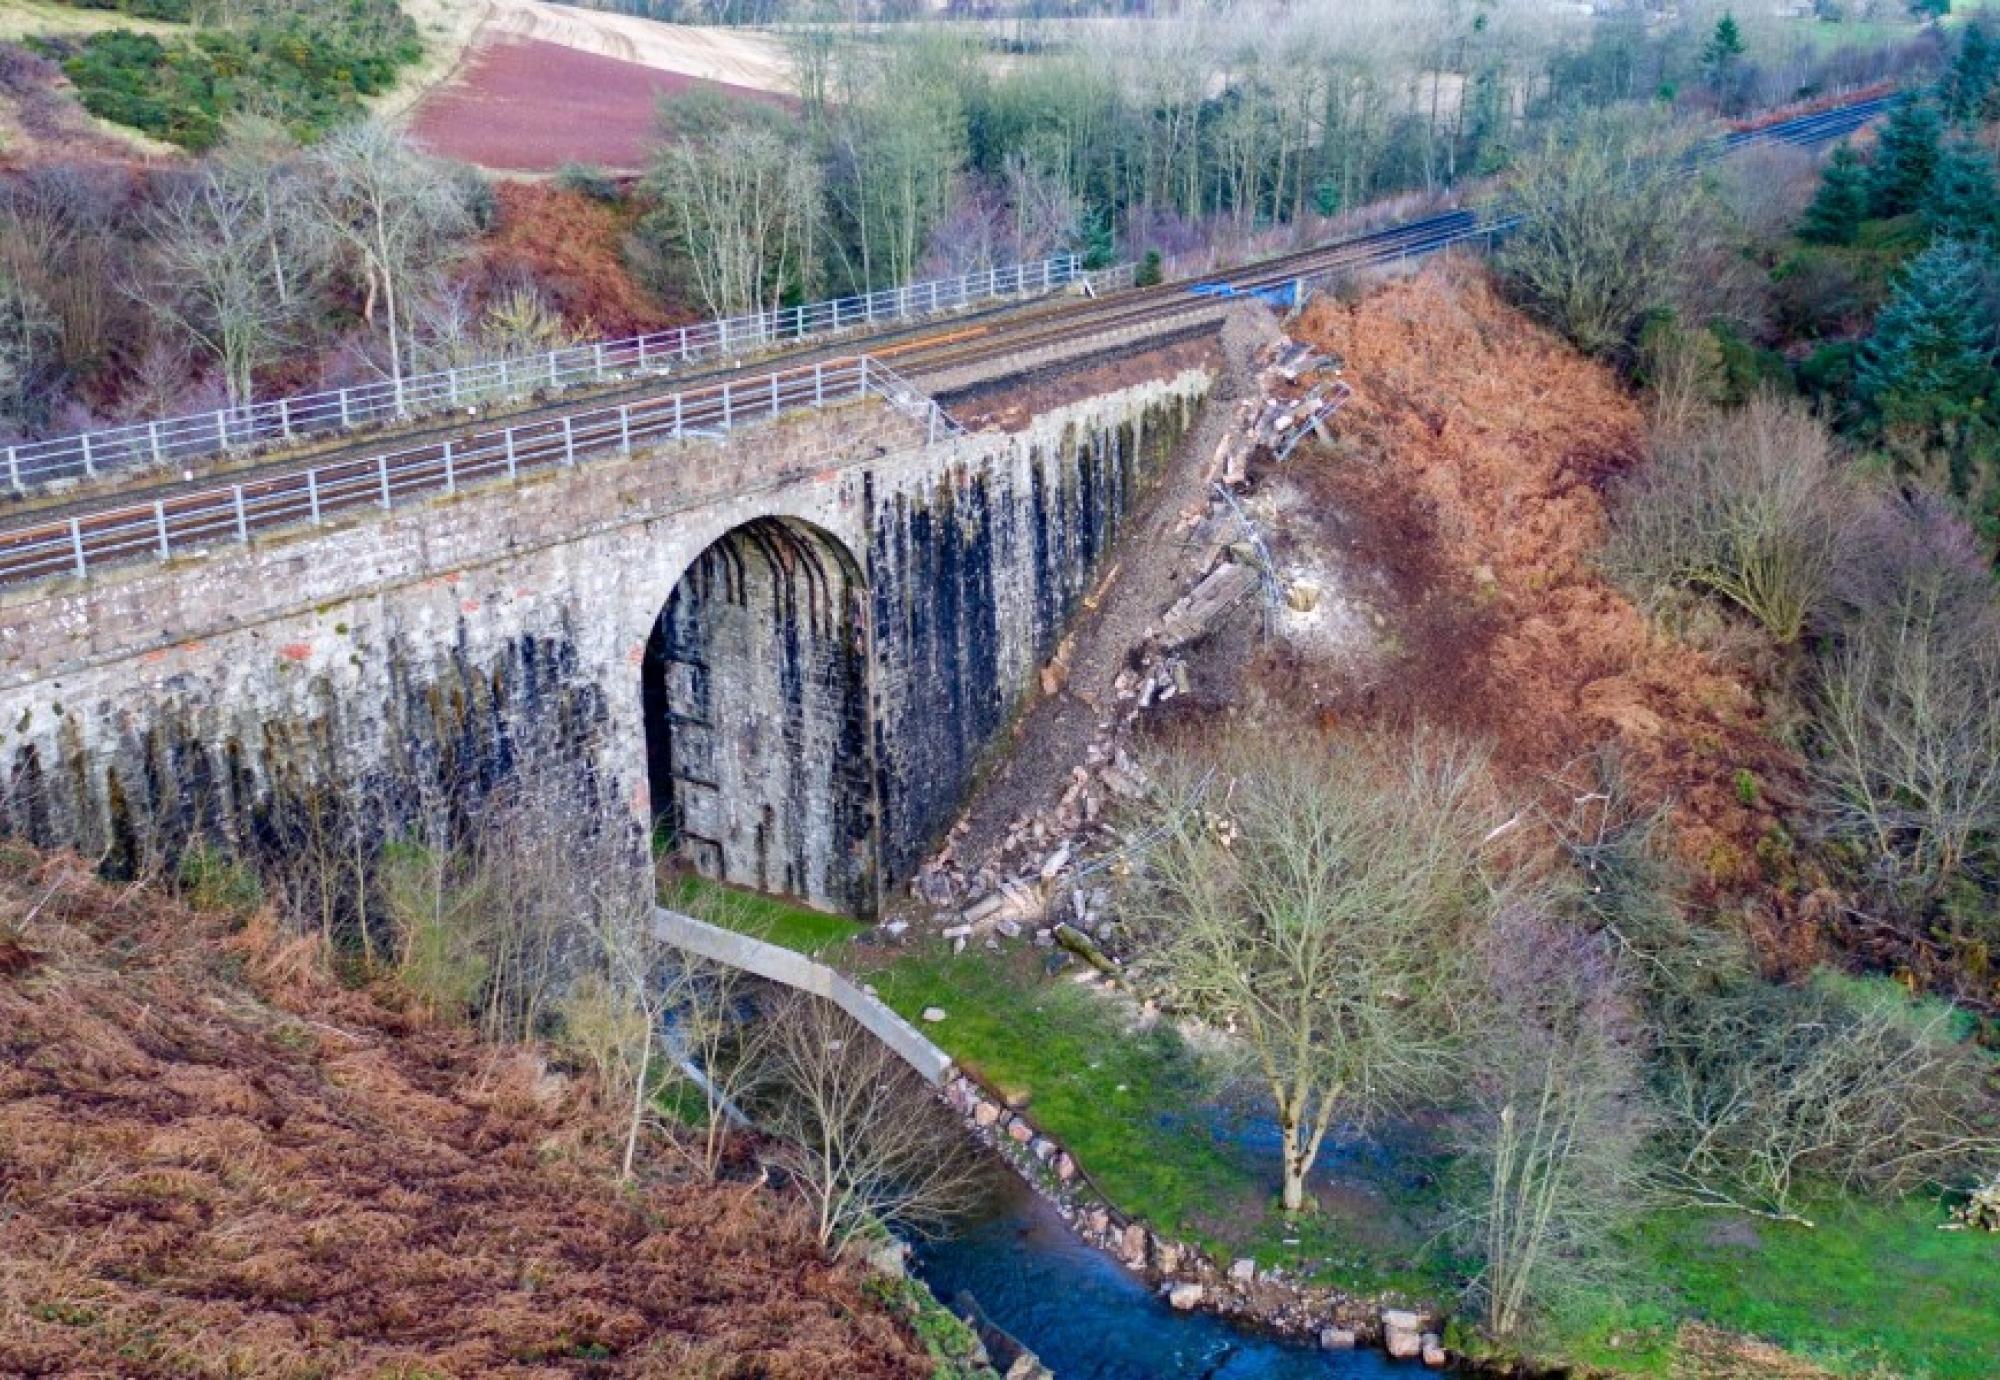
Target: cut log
x,y
1195,616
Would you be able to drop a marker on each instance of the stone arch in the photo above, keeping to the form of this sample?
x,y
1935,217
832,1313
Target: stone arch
x,y
756,696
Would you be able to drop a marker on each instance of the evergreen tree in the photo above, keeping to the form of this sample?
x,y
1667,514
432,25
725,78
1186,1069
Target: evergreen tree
x,y
1724,47
1722,60
1927,372
1841,203
1967,90
1905,157
1959,203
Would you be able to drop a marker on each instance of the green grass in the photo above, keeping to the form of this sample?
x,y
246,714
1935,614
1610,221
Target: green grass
x,y
766,917
1139,1111
1873,1286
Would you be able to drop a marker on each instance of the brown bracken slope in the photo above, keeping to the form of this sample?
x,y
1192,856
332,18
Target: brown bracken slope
x,y
1471,472
214,1161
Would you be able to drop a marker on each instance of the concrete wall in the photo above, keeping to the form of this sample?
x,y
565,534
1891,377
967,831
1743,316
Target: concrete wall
x,y
436,646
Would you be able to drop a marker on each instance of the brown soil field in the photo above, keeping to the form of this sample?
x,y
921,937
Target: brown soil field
x,y
217,1161
524,105
1466,491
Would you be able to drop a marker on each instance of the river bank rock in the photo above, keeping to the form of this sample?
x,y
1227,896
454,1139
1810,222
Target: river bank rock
x,y
1337,1339
1402,1334
1185,1297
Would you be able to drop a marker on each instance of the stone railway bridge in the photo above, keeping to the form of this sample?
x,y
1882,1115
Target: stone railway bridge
x,y
791,645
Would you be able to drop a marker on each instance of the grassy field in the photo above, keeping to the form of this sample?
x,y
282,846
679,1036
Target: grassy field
x,y
1873,1288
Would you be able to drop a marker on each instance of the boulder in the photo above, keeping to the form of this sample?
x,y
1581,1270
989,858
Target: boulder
x,y
1402,1343
1021,1131
1337,1339
933,1014
1132,1247
1185,1296
985,1113
1065,1167
1243,1271
1434,1354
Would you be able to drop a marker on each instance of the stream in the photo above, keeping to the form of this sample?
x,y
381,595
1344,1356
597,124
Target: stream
x,y
1088,1318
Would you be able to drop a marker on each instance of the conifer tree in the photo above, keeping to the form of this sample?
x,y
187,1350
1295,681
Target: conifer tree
x,y
1927,372
1841,203
1960,202
1724,47
1905,157
1967,90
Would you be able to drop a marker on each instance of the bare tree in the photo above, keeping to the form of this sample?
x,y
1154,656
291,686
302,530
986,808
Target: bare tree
x,y
745,205
1318,906
1562,1122
1906,753
1608,224
215,277
863,1137
1750,506
1766,1089
395,215
25,331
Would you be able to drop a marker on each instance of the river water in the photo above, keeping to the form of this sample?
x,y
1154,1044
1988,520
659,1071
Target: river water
x,y
1088,1318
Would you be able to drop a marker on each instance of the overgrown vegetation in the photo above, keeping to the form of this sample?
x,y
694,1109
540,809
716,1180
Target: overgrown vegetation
x,y
308,66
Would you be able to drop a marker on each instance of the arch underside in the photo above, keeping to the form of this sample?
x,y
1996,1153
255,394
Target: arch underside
x,y
756,698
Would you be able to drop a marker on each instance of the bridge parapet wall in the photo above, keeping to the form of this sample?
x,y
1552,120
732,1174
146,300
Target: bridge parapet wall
x,y
435,647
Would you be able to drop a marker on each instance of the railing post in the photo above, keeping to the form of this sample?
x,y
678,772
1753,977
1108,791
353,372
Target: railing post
x,y
76,545
153,441
819,384
677,416
451,386
346,421
382,464
931,424
625,427
507,444
722,335
14,470
598,361
242,518
774,396
725,404
222,428
285,417
450,479
160,521
1045,273
569,442
506,386
553,382
312,495
642,354
89,469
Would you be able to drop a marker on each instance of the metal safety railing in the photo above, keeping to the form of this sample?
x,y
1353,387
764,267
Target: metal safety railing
x,y
178,523
28,466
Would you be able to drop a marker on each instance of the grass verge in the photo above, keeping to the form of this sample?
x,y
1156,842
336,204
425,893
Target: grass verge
x,y
809,932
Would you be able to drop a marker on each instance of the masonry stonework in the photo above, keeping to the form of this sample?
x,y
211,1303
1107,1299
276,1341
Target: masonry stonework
x,y
855,614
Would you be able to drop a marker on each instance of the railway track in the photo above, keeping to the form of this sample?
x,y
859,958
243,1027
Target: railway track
x,y
165,518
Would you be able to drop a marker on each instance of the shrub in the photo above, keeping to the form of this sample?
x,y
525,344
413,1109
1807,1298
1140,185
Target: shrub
x,y
1747,506
588,180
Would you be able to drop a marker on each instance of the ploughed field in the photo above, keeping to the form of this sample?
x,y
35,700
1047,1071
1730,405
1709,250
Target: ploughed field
x,y
527,105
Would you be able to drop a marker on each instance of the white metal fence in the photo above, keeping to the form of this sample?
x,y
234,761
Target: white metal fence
x,y
175,524
31,465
